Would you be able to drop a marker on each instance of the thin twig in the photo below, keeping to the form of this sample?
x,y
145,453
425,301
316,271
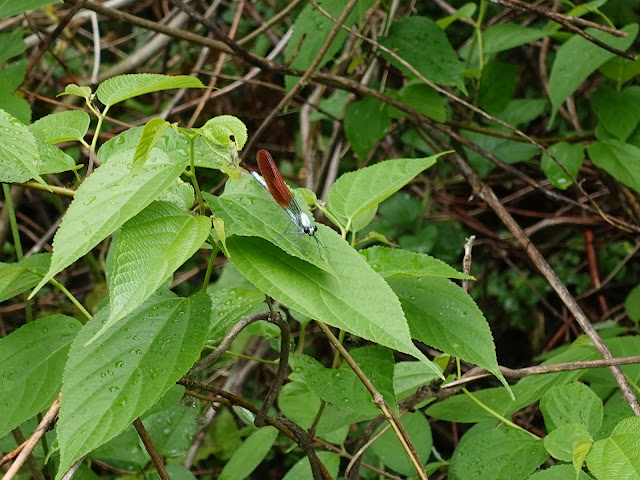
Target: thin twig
x,y
156,458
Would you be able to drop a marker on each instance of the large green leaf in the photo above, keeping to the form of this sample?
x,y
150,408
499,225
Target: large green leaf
x,y
390,262
355,193
151,246
444,316
617,456
32,359
578,58
108,384
249,455
19,152
16,278
408,38
249,210
105,201
355,299
229,306
571,404
620,160
11,44
61,126
618,112
502,453
365,122
311,30
122,87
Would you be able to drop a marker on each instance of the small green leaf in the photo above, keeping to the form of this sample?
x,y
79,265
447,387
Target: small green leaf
x,y
172,429
365,122
73,89
500,453
571,156
621,70
465,11
180,193
578,58
408,376
572,404
620,160
302,469
16,278
229,306
227,130
108,384
389,262
52,159
32,359
151,246
19,153
151,133
354,193
560,442
497,86
617,456
123,87
61,126
619,112
105,201
12,76
16,106
505,36
424,99
444,316
580,450
250,454
632,304
9,8
408,37
11,45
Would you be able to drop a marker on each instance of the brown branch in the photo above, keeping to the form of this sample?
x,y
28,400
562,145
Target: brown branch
x,y
156,458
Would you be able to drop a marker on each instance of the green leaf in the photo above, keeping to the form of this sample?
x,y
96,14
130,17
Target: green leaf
x,y
617,456
302,469
621,70
618,112
18,107
151,246
12,76
356,299
52,159
73,89
408,376
229,306
505,36
560,442
507,150
180,193
151,133
390,262
578,58
19,153
105,201
377,364
123,87
108,384
620,160
32,359
560,472
250,454
365,122
311,30
172,429
11,45
391,452
9,8
631,304
572,404
125,450
249,210
356,192
497,86
224,136
499,453
571,156
465,11
580,450
424,99
407,39
16,278
61,126
175,471
444,316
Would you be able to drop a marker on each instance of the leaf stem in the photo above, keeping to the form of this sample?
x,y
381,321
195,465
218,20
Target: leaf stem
x,y
73,299
192,172
212,260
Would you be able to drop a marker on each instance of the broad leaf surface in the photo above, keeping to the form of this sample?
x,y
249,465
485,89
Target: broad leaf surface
x,y
502,453
108,384
617,456
52,159
151,133
365,122
172,429
32,359
408,376
302,469
11,44
620,160
578,58
356,192
560,472
249,210
408,38
9,8
229,305
356,299
390,262
61,126
19,152
571,156
632,304
572,404
444,316
559,443
16,278
618,112
151,246
505,36
105,201
250,454
122,87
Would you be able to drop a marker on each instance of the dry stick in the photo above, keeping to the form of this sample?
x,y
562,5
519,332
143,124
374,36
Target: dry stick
x,y
305,77
47,420
466,260
31,461
380,402
270,23
156,459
